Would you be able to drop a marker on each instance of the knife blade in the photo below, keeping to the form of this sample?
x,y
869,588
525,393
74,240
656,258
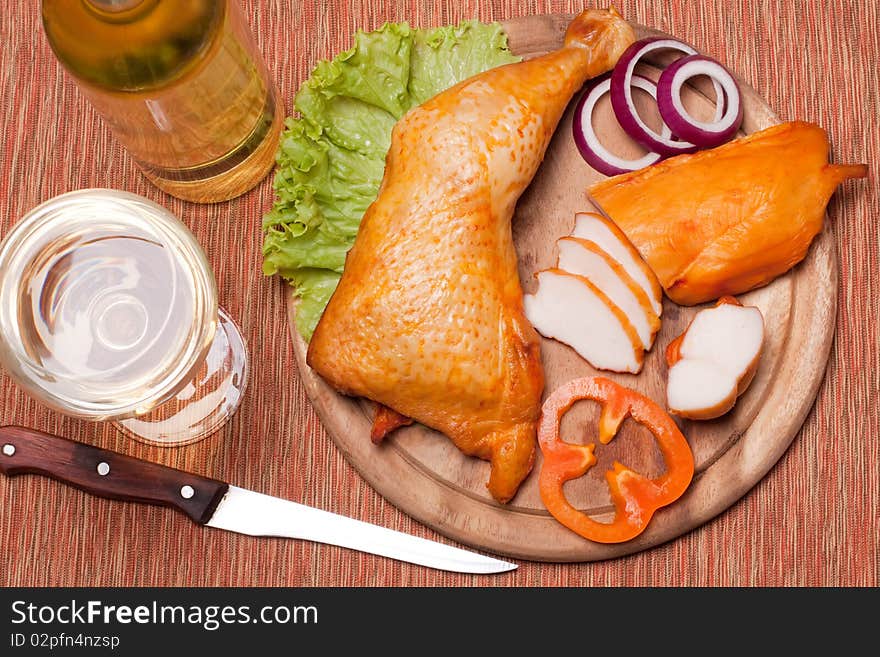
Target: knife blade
x,y
217,504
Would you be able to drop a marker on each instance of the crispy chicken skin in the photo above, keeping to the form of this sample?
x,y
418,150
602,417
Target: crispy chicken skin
x,y
428,317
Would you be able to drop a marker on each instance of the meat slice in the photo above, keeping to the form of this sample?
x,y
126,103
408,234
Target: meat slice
x,y
605,234
586,258
571,309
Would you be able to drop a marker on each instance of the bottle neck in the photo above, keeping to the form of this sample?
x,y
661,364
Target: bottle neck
x,y
118,11
114,5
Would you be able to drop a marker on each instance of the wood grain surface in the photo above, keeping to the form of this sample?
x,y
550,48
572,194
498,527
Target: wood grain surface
x,y
422,473
107,474
812,520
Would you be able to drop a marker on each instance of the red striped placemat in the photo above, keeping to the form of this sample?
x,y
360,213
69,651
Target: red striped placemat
x,y
813,520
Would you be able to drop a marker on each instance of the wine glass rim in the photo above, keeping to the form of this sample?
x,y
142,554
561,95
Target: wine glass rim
x,y
172,233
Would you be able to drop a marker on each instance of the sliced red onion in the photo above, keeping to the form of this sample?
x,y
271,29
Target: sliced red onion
x,y
596,155
625,109
669,102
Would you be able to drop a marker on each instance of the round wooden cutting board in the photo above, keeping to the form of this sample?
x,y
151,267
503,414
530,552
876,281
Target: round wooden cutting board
x,y
421,472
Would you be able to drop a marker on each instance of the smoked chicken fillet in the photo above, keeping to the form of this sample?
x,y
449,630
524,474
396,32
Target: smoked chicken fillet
x,y
428,316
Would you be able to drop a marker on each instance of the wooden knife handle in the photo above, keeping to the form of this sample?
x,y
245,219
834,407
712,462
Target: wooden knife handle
x,y
108,474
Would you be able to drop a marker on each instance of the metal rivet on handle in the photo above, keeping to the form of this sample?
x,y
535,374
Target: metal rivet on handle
x,y
186,492
8,449
103,469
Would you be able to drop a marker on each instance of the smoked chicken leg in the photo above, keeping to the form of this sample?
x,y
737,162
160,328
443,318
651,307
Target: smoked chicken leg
x,y
428,316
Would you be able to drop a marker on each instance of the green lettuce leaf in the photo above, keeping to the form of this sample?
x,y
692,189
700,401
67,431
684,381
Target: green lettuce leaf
x,y
314,286
445,56
331,157
348,122
375,70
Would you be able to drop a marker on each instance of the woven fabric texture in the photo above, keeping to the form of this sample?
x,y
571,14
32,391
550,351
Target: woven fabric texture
x,y
811,521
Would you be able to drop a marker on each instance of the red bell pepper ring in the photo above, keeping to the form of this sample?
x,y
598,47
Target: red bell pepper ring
x,y
635,497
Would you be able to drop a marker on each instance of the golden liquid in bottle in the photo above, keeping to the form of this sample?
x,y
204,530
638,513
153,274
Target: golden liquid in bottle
x,y
181,84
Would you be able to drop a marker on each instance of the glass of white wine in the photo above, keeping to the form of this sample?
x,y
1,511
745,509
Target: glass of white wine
x,y
108,311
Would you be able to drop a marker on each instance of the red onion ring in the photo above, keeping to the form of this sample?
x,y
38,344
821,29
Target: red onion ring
x,y
669,102
588,144
625,110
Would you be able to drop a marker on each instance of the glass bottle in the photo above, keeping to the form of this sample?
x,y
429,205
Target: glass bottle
x,y
181,85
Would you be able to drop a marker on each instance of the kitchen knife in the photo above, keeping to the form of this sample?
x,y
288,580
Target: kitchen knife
x,y
218,504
